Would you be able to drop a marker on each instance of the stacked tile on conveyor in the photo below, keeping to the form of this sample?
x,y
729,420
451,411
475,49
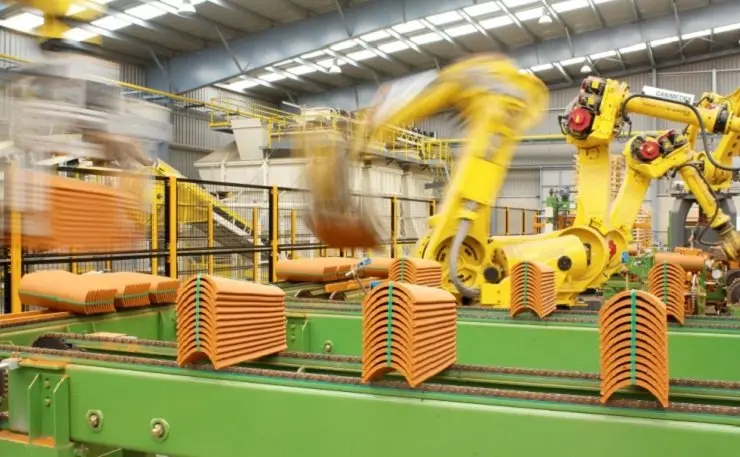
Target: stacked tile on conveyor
x,y
410,329
667,281
319,269
130,292
633,337
229,322
533,289
416,271
161,290
379,267
61,290
58,212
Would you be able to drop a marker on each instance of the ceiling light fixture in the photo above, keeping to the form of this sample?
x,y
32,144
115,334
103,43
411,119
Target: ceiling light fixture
x,y
186,8
334,67
544,19
586,69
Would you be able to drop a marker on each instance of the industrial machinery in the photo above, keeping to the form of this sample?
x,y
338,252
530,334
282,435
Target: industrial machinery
x,y
498,101
61,372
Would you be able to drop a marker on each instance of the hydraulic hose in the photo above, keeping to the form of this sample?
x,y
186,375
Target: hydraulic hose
x,y
457,242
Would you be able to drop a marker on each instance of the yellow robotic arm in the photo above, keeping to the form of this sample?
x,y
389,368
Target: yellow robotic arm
x,y
55,11
498,102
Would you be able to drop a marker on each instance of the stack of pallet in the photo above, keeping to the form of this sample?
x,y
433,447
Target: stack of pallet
x,y
642,231
617,175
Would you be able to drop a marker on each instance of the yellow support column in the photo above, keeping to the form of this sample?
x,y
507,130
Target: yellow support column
x,y
16,262
172,216
293,232
394,226
506,221
255,243
274,237
154,226
210,238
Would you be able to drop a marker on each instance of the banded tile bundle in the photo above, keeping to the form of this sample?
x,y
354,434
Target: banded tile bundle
x,y
56,213
61,290
667,281
162,290
633,336
320,269
228,321
416,271
410,329
533,289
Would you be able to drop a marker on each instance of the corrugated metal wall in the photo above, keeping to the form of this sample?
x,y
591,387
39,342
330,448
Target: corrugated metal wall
x,y
184,159
191,130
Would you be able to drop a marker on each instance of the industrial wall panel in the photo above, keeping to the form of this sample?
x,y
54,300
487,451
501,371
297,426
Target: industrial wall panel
x,y
192,130
521,184
132,74
183,160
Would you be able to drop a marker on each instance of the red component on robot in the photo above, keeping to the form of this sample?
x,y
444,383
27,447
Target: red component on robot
x,y
612,248
649,150
579,120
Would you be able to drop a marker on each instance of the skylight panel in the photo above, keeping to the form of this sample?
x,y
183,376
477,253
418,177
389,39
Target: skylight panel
x,y
313,55
603,55
375,36
271,77
634,48
701,33
460,30
426,38
408,27
24,22
543,67
79,34
343,45
301,70
393,46
727,28
361,55
528,15
145,12
573,61
482,8
569,5
444,18
663,41
111,23
496,22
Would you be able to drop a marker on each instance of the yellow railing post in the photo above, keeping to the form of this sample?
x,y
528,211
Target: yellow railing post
x,y
255,243
210,238
293,232
394,226
172,216
155,234
274,237
506,221
16,262
524,222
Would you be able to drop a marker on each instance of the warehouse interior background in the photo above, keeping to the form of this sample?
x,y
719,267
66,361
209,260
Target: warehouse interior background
x,y
287,54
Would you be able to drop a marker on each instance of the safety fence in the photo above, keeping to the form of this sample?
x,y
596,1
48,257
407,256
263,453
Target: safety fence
x,y
233,230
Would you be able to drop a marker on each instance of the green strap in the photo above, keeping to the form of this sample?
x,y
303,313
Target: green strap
x,y
633,340
197,312
403,270
389,327
665,282
526,283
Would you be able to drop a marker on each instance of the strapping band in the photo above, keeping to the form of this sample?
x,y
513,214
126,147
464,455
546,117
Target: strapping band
x,y
197,312
389,328
633,339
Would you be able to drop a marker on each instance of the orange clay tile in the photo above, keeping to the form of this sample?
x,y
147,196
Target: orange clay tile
x,y
686,261
667,281
162,290
416,271
229,322
532,289
410,329
319,269
339,230
61,290
379,267
633,345
58,212
130,292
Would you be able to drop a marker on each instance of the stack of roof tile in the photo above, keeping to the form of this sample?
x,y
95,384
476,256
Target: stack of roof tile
x,y
162,290
533,289
64,291
416,271
667,281
228,321
130,292
408,328
58,212
320,269
379,267
633,334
